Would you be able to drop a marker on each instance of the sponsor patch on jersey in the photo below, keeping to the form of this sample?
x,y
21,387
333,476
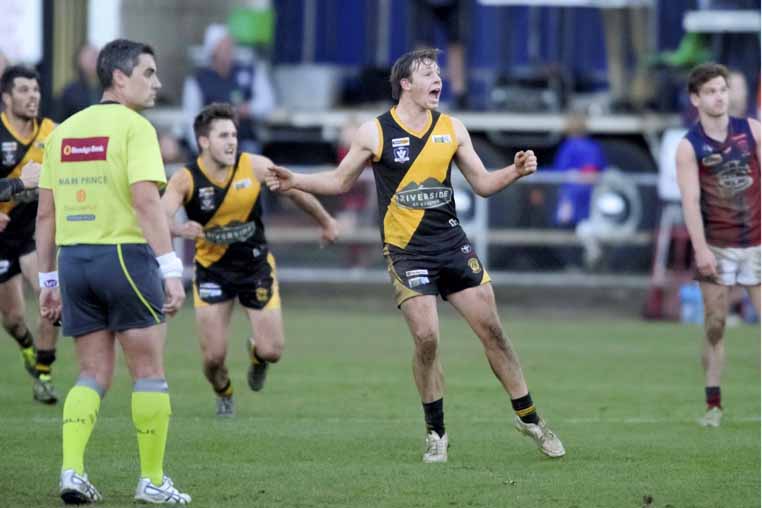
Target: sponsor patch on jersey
x,y
400,142
232,233
417,281
711,160
735,177
430,194
242,184
9,152
441,138
401,154
414,273
84,149
81,217
206,198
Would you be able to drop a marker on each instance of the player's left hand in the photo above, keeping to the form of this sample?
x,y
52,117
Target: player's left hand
x,y
329,232
175,295
525,162
4,220
50,303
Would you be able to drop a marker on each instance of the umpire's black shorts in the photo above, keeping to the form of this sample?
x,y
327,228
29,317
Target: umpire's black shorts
x,y
109,287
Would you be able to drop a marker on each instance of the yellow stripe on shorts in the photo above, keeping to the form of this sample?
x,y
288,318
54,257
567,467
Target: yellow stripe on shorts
x,y
132,284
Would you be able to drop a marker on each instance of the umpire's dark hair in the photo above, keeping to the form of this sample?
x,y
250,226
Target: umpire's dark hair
x,y
119,54
405,65
202,124
703,73
13,72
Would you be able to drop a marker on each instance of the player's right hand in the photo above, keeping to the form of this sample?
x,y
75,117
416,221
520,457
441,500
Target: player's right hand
x,y
50,303
706,262
30,174
279,179
4,220
174,295
190,230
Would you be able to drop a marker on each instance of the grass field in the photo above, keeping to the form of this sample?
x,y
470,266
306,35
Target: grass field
x,y
339,423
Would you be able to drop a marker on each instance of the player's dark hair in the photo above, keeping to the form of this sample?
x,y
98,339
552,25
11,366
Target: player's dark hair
x,y
202,124
120,54
405,65
13,72
703,73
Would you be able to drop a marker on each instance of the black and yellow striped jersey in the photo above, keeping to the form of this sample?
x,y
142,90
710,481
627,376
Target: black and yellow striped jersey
x,y
415,195
231,215
15,152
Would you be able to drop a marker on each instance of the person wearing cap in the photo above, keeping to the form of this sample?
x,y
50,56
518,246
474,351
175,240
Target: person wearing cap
x,y
246,87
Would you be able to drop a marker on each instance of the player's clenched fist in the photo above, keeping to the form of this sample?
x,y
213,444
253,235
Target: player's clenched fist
x,y
279,178
525,162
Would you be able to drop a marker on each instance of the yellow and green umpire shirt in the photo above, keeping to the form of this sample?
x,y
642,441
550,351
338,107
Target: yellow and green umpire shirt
x,y
230,213
91,160
15,153
415,195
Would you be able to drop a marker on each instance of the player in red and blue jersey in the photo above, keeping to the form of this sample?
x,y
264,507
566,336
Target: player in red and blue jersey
x,y
719,179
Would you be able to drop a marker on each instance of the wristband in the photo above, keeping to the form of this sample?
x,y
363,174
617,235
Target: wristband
x,y
48,280
170,265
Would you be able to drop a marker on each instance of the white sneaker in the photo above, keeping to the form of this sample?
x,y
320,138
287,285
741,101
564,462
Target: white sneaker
x,y
436,448
546,440
77,489
712,417
166,493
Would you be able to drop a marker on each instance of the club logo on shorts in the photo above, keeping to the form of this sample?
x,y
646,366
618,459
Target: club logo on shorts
x,y
263,294
430,194
9,152
414,273
84,149
474,265
401,154
5,265
466,249
206,198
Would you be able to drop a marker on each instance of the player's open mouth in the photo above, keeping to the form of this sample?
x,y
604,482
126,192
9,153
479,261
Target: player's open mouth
x,y
434,94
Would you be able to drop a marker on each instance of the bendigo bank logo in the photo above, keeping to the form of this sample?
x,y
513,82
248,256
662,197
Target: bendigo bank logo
x,y
84,149
430,194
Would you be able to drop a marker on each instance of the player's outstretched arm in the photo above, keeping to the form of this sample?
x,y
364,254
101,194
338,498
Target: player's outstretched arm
x,y
178,188
338,181
307,202
690,192
483,182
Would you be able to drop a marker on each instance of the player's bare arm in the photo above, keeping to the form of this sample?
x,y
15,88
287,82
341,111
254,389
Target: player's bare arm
x,y
483,182
307,202
45,237
486,183
178,188
690,191
337,181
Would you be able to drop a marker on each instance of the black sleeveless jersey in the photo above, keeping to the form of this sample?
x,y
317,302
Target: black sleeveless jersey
x,y
231,216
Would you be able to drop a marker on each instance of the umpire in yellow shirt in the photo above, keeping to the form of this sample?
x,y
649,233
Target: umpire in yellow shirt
x,y
99,203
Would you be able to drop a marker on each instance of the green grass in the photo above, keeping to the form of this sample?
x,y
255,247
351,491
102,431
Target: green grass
x,y
339,423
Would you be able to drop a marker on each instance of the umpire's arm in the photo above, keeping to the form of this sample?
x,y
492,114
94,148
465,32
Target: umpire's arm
x,y
151,217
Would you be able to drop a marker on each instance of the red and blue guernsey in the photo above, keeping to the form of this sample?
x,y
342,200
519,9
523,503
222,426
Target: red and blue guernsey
x,y
729,179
